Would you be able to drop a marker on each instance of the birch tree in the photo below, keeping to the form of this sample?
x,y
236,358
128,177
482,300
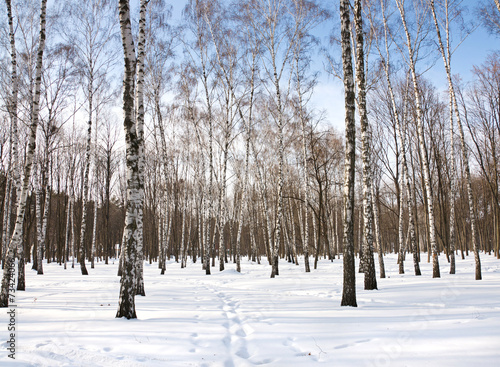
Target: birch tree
x,y
161,40
195,13
446,53
481,114
421,138
90,34
13,179
278,35
227,56
40,226
306,16
383,47
349,276
133,216
369,268
16,238
489,14
139,115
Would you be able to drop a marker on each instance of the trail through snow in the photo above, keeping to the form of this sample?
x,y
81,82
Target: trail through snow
x,y
229,319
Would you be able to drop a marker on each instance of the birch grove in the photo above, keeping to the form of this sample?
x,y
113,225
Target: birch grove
x,y
215,143
446,55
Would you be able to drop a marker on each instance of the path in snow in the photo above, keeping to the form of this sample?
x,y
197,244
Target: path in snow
x,y
230,319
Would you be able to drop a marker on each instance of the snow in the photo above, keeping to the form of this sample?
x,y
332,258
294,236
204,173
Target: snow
x,y
230,319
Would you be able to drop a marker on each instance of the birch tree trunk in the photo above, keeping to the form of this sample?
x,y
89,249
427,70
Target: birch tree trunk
x,y
401,237
243,199
7,212
410,197
369,266
45,219
21,269
128,282
265,204
139,114
349,283
21,201
453,189
14,159
446,54
72,215
96,198
166,205
378,236
83,227
305,182
67,237
183,230
405,181
222,217
39,220
421,142
252,222
94,230
13,179
209,194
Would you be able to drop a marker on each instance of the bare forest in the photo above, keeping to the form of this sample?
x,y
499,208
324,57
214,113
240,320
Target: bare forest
x,y
144,131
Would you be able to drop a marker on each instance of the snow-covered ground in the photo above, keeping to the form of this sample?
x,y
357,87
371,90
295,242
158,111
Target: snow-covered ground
x,y
231,319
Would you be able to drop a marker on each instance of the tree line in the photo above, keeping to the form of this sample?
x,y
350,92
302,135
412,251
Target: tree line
x,y
218,152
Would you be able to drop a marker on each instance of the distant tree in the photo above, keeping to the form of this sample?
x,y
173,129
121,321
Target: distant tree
x,y
445,50
411,61
489,15
382,44
90,33
277,34
480,108
195,13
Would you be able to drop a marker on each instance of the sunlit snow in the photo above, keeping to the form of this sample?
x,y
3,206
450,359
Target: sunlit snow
x,y
230,319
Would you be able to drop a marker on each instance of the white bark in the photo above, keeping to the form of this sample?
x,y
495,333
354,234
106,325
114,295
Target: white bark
x,y
446,55
67,237
401,238
421,141
167,203
21,202
7,211
96,198
378,236
349,276
305,179
83,227
94,228
13,179
139,113
40,232
222,217
131,236
369,269
264,202
183,230
405,179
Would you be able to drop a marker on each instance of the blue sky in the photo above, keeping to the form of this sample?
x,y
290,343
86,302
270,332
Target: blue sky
x,y
328,95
